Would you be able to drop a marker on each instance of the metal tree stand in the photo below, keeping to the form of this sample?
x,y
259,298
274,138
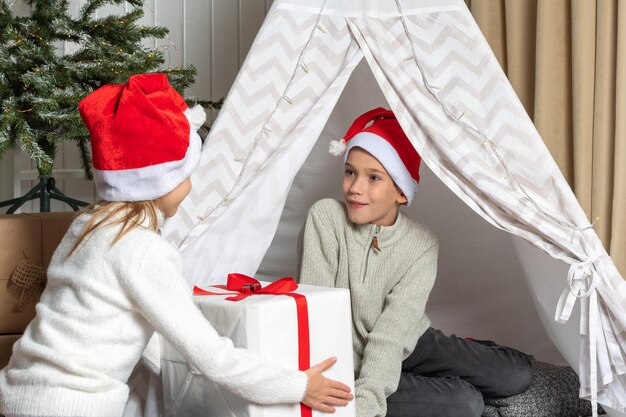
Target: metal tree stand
x,y
45,191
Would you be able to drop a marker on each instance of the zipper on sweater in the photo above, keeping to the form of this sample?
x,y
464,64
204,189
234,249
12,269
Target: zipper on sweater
x,y
375,242
373,247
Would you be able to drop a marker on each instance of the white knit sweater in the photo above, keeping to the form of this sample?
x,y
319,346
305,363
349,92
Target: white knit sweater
x,y
389,289
98,311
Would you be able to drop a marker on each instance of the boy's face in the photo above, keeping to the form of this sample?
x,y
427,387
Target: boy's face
x,y
168,204
370,194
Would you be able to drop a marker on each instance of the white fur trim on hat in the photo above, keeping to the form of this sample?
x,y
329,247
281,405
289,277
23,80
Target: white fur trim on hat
x,y
148,183
382,150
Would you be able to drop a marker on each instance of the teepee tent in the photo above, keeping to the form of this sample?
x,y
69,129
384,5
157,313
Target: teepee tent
x,y
454,102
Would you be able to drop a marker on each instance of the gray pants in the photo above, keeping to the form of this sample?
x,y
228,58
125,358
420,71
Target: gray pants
x,y
447,376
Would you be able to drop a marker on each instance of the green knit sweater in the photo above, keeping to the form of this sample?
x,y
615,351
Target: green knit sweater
x,y
389,288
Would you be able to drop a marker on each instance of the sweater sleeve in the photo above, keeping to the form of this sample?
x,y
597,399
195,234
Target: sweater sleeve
x,y
395,331
155,285
318,250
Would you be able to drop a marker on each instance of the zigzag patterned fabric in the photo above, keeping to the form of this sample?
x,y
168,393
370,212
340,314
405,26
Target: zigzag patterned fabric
x,y
456,105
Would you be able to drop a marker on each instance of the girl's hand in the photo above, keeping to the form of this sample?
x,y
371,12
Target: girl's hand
x,y
323,394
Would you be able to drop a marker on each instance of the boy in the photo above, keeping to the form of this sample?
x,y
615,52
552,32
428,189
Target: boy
x,y
403,367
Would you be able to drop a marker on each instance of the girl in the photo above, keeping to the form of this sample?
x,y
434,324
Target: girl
x,y
114,281
403,367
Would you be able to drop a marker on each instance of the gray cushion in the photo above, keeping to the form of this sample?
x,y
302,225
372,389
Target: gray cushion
x,y
553,392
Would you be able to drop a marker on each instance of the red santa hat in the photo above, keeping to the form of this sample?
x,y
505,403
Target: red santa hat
x,y
379,133
143,138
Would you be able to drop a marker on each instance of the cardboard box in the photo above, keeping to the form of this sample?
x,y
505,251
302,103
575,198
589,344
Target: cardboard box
x,y
25,236
6,344
266,324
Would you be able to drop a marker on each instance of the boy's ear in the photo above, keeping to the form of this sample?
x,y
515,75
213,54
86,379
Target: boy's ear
x,y
401,199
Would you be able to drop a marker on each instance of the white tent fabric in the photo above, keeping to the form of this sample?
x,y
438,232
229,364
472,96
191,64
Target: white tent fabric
x,y
457,107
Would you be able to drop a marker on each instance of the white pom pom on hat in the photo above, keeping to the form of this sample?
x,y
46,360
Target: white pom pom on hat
x,y
379,133
337,147
196,116
143,138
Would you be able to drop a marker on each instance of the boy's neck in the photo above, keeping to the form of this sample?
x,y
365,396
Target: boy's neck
x,y
388,224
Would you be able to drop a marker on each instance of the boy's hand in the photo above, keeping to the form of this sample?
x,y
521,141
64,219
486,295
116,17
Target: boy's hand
x,y
323,394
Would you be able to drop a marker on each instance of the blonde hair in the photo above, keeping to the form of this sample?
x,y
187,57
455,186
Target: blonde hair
x,y
129,215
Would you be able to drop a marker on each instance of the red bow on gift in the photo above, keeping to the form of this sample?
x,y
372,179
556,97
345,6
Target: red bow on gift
x,y
243,286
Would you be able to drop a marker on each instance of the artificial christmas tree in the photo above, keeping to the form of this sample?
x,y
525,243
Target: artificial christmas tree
x,y
40,88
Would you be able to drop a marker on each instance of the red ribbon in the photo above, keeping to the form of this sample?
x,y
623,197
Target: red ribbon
x,y
243,286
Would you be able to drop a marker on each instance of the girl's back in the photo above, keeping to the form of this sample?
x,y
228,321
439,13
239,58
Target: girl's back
x,y
88,334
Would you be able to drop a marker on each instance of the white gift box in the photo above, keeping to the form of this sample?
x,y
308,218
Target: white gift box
x,y
266,324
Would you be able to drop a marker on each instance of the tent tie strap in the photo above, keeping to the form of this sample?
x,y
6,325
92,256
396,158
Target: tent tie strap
x,y
581,230
581,281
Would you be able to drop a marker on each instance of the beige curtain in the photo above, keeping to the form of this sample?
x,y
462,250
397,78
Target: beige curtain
x,y
566,60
